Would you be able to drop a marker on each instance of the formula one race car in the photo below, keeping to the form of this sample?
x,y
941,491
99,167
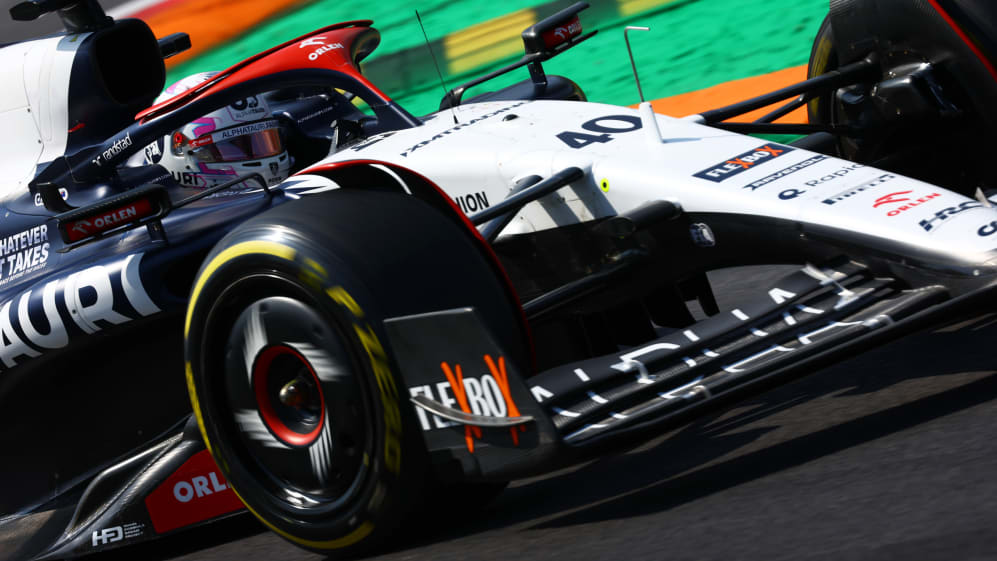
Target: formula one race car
x,y
447,302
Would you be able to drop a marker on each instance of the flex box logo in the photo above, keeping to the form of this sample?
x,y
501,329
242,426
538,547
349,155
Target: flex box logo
x,y
737,164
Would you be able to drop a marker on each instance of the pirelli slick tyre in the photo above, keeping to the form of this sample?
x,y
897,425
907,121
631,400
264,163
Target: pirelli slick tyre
x,y
929,112
291,376
823,59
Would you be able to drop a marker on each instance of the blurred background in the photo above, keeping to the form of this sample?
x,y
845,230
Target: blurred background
x,y
889,455
692,44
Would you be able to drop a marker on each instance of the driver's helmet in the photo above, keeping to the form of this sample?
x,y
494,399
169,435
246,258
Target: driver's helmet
x,y
234,141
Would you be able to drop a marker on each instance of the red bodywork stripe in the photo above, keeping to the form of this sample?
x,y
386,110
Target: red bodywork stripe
x,y
965,38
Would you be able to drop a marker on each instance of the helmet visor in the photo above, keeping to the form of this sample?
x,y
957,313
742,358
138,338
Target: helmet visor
x,y
251,146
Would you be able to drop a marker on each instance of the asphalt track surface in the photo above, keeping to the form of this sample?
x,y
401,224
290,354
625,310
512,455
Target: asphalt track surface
x,y
890,455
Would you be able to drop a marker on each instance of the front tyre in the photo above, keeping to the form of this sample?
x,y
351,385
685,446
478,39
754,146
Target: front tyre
x,y
927,111
823,59
290,372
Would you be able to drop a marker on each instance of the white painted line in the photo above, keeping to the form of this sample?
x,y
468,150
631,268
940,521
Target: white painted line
x,y
597,398
566,413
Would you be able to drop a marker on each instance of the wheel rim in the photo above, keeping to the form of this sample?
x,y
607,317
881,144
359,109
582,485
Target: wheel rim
x,y
297,406
288,395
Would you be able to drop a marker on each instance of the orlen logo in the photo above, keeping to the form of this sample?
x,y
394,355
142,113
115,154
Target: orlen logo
x,y
905,202
742,162
312,42
321,44
130,212
193,493
199,486
562,33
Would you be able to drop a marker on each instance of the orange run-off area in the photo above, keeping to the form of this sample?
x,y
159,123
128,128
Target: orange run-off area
x,y
210,22
727,93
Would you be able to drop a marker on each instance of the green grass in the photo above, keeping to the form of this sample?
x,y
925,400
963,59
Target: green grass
x,y
691,45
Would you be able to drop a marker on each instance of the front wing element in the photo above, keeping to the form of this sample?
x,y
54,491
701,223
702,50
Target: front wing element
x,y
812,318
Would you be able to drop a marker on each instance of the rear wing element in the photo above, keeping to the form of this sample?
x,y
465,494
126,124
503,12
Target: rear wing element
x,y
542,41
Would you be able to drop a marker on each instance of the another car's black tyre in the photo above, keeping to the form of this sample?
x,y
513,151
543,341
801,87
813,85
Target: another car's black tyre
x,y
291,374
928,112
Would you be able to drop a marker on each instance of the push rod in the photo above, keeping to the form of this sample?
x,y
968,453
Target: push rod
x,y
849,74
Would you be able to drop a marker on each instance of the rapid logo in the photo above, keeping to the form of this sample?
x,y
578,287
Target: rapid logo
x,y
905,202
856,190
195,492
23,253
834,175
730,168
929,224
784,172
88,298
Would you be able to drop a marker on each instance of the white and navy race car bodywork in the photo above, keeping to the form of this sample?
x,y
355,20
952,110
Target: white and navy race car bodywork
x,y
508,278
628,163
730,200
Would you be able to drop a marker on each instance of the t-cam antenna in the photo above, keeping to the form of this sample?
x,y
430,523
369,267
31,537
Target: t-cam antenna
x,y
650,122
640,92
443,84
